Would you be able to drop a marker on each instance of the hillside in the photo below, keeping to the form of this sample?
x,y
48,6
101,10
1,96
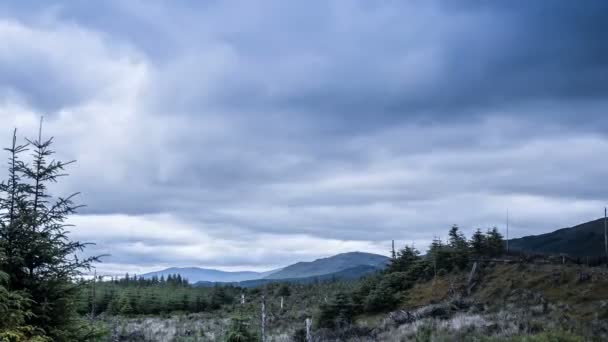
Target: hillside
x,y
583,240
509,302
196,274
352,273
330,265
506,300
343,266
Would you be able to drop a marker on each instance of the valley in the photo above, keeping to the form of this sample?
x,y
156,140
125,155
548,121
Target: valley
x,y
458,288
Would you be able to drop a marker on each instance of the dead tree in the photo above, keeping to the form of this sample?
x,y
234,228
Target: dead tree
x,y
263,318
308,330
93,295
470,283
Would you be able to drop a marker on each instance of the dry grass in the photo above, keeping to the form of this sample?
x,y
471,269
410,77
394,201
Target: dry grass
x,y
178,328
511,301
433,291
559,285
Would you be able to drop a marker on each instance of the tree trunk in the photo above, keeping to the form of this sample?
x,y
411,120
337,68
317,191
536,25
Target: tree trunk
x,y
308,330
93,295
263,319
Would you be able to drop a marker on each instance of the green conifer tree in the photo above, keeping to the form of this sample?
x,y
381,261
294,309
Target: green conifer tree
x,y
40,259
495,244
440,256
478,244
459,248
406,258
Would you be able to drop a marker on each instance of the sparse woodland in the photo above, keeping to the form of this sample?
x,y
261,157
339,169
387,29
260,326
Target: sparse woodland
x,y
431,297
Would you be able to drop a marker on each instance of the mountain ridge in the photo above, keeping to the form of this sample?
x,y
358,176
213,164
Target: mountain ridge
x,y
352,273
196,274
304,269
582,240
329,265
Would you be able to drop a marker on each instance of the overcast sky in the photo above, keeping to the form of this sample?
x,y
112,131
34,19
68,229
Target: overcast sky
x,y
252,134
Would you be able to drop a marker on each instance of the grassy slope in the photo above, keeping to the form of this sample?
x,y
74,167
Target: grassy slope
x,y
519,302
558,284
498,283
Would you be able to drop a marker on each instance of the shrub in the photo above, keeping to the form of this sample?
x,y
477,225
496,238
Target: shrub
x,y
238,332
299,335
381,298
338,313
398,281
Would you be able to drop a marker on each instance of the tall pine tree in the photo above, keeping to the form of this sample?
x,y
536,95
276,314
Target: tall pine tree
x,y
40,259
478,244
495,243
459,247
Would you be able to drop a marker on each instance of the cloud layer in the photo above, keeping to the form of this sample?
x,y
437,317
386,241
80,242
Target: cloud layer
x,y
250,134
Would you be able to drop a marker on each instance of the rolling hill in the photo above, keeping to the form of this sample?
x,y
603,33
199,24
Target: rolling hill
x,y
344,266
330,265
347,274
583,240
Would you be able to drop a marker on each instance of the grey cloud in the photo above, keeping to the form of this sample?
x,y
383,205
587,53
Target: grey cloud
x,y
332,120
396,64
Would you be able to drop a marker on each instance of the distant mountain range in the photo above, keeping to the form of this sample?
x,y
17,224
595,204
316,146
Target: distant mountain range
x,y
342,266
583,240
196,274
346,274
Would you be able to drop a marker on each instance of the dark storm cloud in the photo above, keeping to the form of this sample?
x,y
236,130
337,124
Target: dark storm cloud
x,y
352,63
397,61
348,121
